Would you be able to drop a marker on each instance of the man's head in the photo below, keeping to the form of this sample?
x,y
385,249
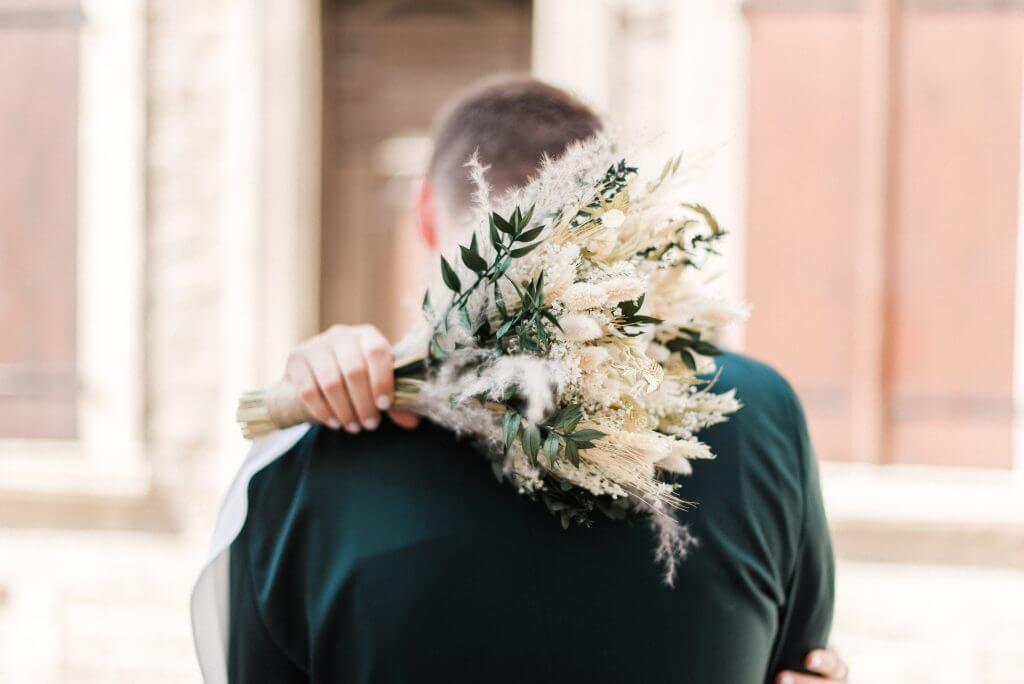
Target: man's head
x,y
512,123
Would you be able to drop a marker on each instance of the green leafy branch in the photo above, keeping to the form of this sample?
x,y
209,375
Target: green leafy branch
x,y
526,326
511,238
556,436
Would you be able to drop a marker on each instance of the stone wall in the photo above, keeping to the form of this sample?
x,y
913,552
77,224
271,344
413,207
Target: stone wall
x,y
111,605
186,73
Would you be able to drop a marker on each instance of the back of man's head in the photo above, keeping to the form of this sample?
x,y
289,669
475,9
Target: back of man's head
x,y
512,123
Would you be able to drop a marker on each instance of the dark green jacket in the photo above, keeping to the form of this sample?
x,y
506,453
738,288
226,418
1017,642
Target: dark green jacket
x,y
396,556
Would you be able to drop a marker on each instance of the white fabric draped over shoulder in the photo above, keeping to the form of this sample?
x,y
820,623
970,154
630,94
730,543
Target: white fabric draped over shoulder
x,y
211,593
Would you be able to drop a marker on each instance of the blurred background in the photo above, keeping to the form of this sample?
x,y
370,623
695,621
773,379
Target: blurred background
x,y
189,187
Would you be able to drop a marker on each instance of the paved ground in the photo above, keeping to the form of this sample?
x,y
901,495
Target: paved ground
x,y
112,607
926,624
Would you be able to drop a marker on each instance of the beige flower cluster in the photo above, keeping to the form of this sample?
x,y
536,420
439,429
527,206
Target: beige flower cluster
x,y
620,259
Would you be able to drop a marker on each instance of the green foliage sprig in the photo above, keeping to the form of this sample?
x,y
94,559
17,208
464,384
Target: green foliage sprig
x,y
521,329
688,343
629,318
556,436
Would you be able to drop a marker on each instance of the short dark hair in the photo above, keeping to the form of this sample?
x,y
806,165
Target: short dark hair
x,y
511,122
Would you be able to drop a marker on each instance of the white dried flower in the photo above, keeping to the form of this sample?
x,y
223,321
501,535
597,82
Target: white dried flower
x,y
560,264
658,352
651,446
691,448
613,218
578,327
533,380
592,358
582,296
602,244
623,289
675,464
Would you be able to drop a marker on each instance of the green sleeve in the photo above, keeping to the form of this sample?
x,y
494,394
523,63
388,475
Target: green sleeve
x,y
253,655
806,616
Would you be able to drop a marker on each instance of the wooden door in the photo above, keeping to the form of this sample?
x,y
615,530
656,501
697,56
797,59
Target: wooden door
x,y
38,205
940,376
388,67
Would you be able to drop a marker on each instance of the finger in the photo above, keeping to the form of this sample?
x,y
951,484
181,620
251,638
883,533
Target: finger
x,y
320,358
354,369
405,419
380,365
827,662
300,376
789,677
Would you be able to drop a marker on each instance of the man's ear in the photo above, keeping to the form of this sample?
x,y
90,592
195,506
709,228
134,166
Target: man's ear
x,y
426,216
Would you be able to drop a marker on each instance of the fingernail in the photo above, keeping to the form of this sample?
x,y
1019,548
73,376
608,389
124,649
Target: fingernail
x,y
786,679
333,424
383,402
352,427
371,423
815,659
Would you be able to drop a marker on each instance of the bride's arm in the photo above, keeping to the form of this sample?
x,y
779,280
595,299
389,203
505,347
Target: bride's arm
x,y
345,378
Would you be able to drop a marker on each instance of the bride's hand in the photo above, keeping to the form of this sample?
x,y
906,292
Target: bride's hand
x,y
345,378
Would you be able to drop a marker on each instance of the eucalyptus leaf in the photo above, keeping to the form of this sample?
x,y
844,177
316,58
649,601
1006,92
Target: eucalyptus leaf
x,y
473,261
572,453
586,435
518,289
451,279
569,417
495,236
551,448
529,235
538,291
678,344
706,348
505,327
510,428
502,224
523,251
530,439
529,215
546,313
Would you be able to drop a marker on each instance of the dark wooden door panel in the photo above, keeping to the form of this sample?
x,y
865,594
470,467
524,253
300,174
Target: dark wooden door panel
x,y
388,66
